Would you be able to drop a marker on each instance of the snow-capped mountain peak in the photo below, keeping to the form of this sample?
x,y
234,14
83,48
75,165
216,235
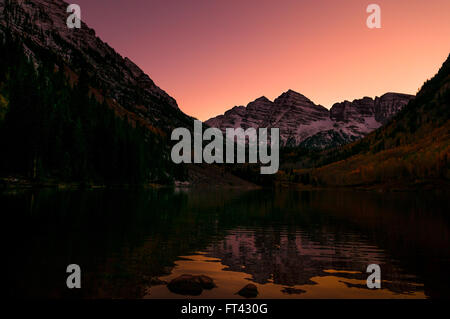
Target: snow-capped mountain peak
x,y
301,121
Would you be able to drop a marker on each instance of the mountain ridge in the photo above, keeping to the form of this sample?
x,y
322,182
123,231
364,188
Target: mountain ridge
x,y
302,122
42,26
410,152
73,110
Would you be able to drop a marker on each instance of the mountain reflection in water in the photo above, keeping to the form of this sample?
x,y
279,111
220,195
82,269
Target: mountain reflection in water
x,y
290,244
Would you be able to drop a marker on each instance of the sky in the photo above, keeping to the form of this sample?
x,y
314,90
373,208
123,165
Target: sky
x,y
211,55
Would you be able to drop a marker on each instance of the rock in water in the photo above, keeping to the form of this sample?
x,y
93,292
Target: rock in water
x,y
249,291
185,285
291,291
206,282
190,285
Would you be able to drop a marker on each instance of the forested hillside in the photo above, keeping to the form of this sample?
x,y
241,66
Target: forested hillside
x,y
413,149
53,127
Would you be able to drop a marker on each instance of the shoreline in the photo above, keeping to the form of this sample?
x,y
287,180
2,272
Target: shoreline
x,y
11,183
21,183
402,186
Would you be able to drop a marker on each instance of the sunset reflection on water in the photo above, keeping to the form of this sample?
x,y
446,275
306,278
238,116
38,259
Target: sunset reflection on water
x,y
330,285
288,243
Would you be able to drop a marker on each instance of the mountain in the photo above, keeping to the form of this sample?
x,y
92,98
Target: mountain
x,y
41,26
412,150
304,123
73,110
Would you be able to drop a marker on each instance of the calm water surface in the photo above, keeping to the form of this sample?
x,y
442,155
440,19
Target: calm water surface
x,y
290,244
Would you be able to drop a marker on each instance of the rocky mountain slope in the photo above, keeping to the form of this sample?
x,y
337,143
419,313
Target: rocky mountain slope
x,y
302,122
412,151
73,111
41,25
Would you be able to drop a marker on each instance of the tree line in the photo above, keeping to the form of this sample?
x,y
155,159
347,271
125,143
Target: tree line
x,y
52,129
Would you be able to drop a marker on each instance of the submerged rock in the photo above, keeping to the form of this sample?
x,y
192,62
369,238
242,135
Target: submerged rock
x,y
292,291
249,291
206,282
190,285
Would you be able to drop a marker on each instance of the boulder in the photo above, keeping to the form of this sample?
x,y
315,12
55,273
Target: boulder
x,y
206,282
190,285
249,291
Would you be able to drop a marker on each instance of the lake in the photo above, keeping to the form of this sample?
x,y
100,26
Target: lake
x,y
288,243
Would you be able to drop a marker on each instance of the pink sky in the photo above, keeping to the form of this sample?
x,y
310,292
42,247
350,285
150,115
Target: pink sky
x,y
211,55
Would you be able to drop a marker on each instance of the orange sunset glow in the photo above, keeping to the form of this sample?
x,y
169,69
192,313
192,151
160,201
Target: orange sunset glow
x,y
230,281
213,55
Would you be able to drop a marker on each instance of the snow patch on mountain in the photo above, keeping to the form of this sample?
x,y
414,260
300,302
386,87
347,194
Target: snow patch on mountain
x,y
302,122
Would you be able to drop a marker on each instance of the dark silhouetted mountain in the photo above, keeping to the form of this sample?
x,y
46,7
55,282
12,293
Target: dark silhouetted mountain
x,y
73,109
41,26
